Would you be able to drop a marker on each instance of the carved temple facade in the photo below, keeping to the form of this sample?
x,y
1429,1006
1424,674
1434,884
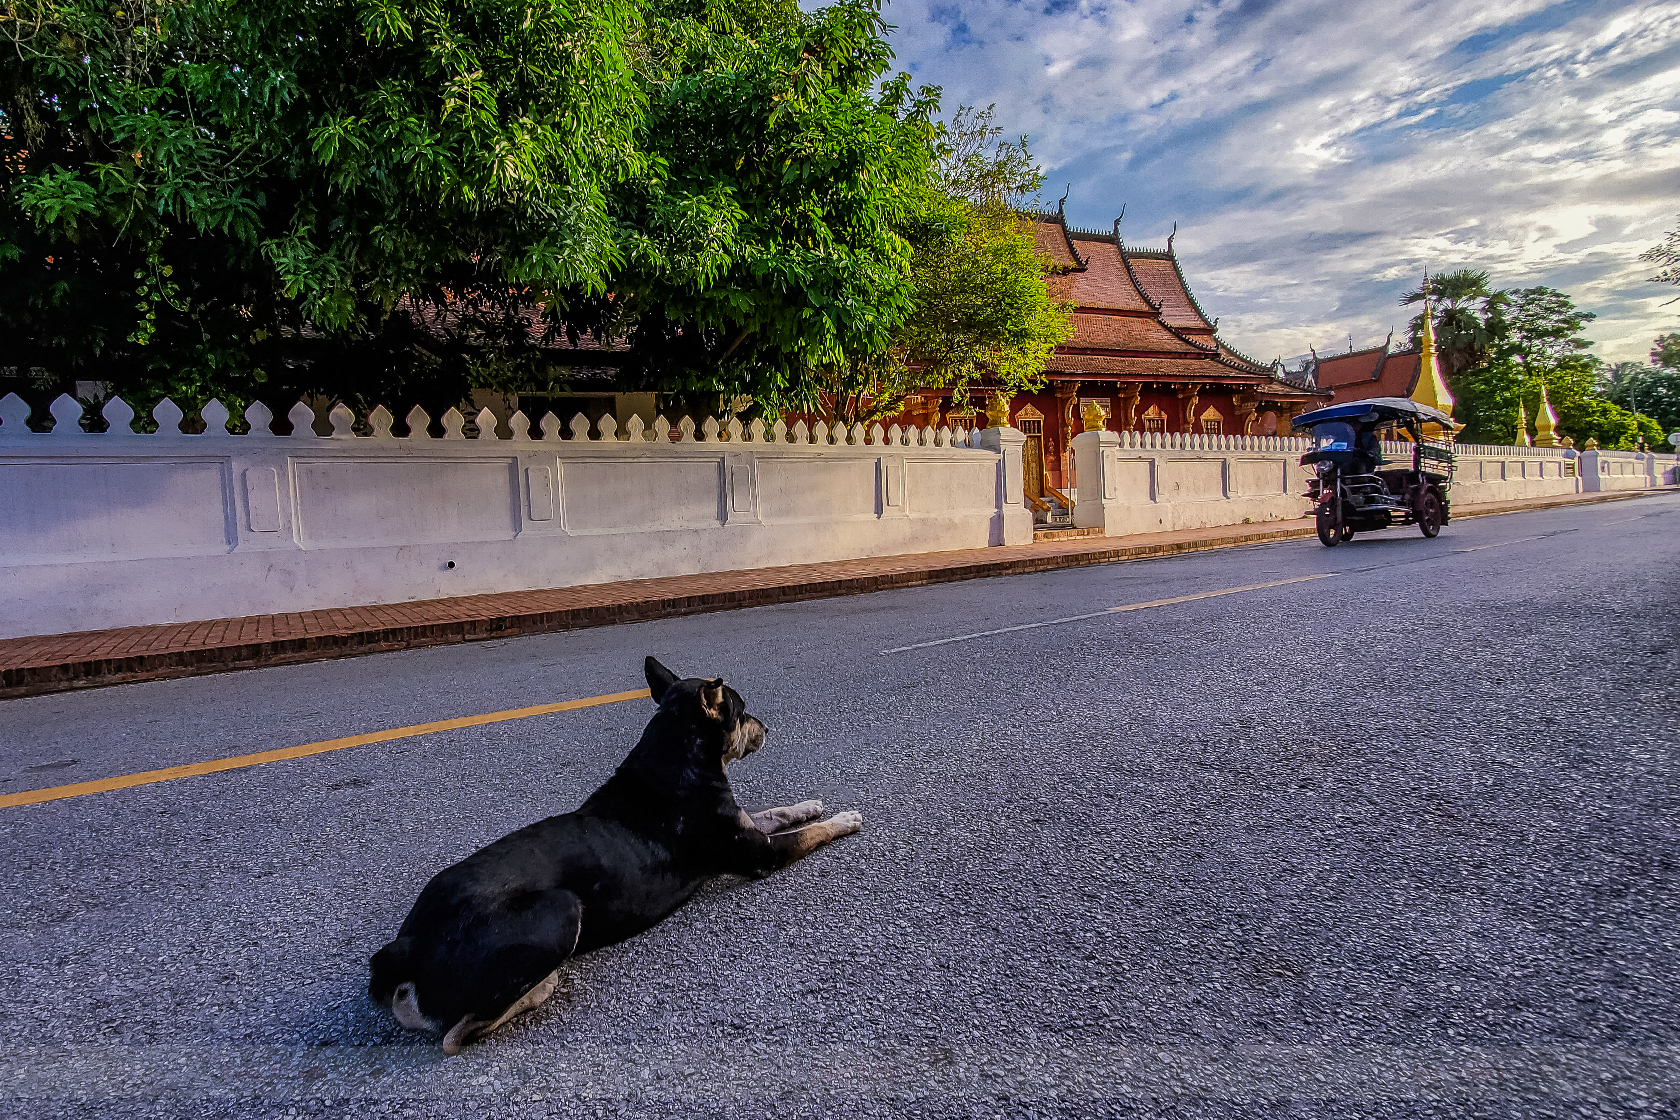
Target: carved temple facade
x,y
1142,349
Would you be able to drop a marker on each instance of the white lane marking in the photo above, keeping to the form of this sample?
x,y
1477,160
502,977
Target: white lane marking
x,y
1496,544
1519,540
1111,610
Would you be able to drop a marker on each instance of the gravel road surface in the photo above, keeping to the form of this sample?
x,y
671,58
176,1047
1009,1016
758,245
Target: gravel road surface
x,y
1401,841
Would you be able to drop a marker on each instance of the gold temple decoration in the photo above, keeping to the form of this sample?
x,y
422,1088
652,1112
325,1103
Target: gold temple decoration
x,y
1592,444
997,411
1094,418
1431,386
1545,422
1522,426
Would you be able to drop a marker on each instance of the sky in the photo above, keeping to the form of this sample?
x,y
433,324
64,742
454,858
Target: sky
x,y
1319,156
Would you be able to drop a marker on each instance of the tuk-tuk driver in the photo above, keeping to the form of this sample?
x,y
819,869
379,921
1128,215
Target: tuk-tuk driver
x,y
1368,450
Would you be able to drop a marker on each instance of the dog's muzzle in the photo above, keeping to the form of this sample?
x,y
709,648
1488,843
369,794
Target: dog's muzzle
x,y
748,737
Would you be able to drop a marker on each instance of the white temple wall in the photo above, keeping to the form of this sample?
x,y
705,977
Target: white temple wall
x,y
121,529
1143,482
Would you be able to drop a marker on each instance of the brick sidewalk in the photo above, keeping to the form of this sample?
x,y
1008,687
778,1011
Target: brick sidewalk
x,y
56,662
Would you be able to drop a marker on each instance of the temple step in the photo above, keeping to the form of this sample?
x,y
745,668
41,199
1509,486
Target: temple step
x,y
1052,534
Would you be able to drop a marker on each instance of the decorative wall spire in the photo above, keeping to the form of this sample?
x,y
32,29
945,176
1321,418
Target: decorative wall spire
x,y
1522,426
1545,422
1431,386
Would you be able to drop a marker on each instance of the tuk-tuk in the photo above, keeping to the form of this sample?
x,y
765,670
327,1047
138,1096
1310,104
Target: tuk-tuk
x,y
1355,490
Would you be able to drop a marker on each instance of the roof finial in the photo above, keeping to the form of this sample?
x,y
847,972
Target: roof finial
x,y
1172,235
1117,222
1061,211
1389,340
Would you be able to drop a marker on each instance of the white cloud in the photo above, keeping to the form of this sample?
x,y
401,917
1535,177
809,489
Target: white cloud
x,y
1319,155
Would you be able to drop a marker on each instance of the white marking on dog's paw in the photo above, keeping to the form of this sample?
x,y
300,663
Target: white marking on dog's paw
x,y
844,824
461,1034
806,811
539,992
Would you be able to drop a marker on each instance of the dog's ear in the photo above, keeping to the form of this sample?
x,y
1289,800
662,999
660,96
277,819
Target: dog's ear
x,y
659,679
713,703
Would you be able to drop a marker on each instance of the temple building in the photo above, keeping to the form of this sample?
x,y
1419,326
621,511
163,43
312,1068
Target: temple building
x,y
1142,348
1380,371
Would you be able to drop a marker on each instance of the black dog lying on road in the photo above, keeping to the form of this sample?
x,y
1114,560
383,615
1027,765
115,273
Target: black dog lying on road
x,y
486,938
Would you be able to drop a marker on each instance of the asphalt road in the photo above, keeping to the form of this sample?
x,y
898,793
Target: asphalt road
x,y
1400,841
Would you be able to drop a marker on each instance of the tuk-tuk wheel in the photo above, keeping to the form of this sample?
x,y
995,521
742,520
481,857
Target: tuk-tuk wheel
x,y
1347,533
1329,535
1429,515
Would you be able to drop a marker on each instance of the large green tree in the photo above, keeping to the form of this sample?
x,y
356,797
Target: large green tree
x,y
1650,389
396,201
211,194
764,240
1540,344
980,311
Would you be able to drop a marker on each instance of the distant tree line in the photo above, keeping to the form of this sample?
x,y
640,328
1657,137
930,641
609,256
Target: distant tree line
x,y
1498,348
383,201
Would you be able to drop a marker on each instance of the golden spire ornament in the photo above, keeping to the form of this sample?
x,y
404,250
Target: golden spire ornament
x,y
1545,422
1431,386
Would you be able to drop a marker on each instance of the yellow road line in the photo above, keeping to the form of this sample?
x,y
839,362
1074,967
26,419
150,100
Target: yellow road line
x,y
239,762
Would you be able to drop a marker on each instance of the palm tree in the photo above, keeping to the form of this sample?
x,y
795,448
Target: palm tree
x,y
1467,317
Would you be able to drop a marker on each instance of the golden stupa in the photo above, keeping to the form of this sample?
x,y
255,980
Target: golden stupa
x,y
1545,422
1431,386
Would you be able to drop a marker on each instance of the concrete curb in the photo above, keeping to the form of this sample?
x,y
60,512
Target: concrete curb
x,y
48,676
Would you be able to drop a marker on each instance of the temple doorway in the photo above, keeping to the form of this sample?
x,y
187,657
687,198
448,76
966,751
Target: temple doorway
x,y
1030,421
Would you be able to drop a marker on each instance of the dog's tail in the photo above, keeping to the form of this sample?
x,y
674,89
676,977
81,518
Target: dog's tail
x,y
389,969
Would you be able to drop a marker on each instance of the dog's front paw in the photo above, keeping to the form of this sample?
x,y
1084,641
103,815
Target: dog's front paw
x,y
844,824
805,811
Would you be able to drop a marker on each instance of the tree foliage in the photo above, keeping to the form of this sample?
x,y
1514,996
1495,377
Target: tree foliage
x,y
1666,352
384,200
980,311
1653,390
766,238
1539,344
1467,320
218,190
1665,254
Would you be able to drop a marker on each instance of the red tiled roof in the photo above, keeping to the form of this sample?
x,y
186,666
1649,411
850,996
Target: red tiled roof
x,y
1125,332
1050,240
1135,316
1165,367
1160,278
1345,369
1104,281
1240,359
1370,373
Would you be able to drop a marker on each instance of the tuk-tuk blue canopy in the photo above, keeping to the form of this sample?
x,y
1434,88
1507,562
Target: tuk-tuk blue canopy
x,y
1376,410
